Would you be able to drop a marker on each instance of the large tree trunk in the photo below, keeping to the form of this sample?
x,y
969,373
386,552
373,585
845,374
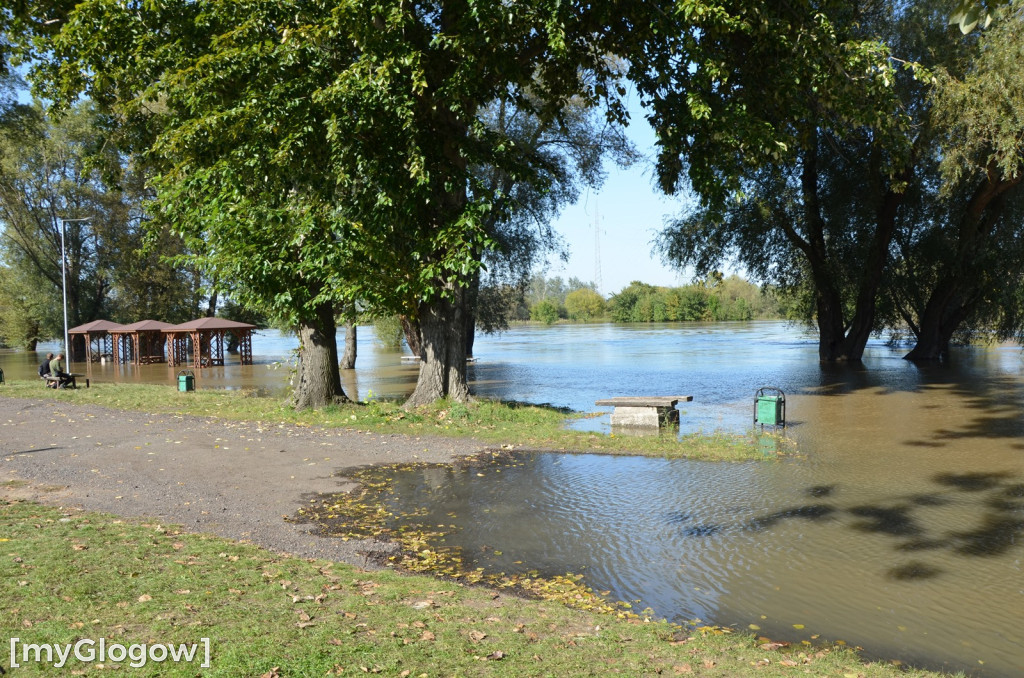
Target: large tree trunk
x,y
348,358
832,344
319,381
957,293
837,339
443,366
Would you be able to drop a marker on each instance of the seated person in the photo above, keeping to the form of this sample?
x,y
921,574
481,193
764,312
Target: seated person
x,y
44,369
57,370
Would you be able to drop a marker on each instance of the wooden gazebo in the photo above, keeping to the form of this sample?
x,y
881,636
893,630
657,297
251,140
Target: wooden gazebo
x,y
99,331
140,343
206,336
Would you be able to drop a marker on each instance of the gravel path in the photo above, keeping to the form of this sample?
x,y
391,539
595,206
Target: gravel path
x,y
232,479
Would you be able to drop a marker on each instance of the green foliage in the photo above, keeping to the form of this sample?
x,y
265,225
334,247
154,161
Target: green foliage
x,y
545,311
734,86
53,168
25,308
584,304
858,221
387,330
725,299
981,112
314,154
969,14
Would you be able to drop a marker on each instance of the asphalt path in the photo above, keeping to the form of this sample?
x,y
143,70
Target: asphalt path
x,y
234,479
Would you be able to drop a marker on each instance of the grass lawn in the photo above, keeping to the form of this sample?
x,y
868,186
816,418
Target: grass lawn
x,y
72,576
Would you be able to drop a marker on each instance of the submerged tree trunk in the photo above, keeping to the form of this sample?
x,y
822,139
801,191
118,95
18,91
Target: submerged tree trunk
x,y
962,285
411,330
839,340
319,380
941,319
443,366
348,358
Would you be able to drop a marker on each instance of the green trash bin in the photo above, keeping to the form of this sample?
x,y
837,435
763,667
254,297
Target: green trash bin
x,y
186,381
770,407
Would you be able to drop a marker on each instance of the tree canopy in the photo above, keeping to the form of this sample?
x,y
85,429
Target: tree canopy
x,y
324,153
903,211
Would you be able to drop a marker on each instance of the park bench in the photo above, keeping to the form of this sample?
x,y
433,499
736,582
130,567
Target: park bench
x,y
73,383
644,411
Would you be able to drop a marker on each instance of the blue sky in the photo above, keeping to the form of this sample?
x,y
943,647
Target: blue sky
x,y
631,211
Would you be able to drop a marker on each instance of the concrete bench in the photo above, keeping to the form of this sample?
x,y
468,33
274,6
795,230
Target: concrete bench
x,y
644,411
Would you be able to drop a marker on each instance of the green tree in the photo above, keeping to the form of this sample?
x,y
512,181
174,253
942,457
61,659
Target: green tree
x,y
545,311
56,169
750,103
879,234
26,309
958,269
326,152
632,303
584,304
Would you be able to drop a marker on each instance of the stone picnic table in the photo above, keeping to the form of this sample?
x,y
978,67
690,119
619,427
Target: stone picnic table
x,y
644,411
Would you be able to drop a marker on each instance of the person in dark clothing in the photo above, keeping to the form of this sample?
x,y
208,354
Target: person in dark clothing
x,y
44,369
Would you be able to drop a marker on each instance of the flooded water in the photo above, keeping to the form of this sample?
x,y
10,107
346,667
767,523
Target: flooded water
x,y
899,528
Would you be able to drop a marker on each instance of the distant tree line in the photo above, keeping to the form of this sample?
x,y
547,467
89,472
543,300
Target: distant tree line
x,y
715,299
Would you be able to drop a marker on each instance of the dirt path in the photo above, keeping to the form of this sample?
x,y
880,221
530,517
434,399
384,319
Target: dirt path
x,y
233,479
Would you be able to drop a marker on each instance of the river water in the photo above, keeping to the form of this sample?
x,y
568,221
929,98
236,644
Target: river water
x,y
899,527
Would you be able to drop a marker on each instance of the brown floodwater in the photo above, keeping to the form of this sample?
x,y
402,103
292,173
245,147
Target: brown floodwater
x,y
899,527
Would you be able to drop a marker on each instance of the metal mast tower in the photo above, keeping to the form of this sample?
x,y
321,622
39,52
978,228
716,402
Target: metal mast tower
x,y
597,249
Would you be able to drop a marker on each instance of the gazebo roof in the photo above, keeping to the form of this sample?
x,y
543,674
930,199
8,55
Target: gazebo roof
x,y
95,327
209,324
146,326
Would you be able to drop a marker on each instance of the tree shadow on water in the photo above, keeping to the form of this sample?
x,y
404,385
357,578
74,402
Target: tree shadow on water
x,y
995,496
896,520
813,512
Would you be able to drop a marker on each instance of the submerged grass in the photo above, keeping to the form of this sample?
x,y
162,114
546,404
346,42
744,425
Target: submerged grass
x,y
506,424
73,576
421,546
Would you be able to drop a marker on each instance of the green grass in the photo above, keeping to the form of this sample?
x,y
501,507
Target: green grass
x,y
501,424
71,575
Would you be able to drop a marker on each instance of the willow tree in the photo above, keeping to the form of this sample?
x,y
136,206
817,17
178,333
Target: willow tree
x,y
752,105
855,208
959,267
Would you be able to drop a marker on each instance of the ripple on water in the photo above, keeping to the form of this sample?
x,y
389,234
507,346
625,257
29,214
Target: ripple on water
x,y
791,547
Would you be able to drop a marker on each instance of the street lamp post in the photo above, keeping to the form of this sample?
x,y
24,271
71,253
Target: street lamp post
x,y
64,283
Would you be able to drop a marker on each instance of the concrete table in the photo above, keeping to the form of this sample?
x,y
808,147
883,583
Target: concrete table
x,y
644,411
